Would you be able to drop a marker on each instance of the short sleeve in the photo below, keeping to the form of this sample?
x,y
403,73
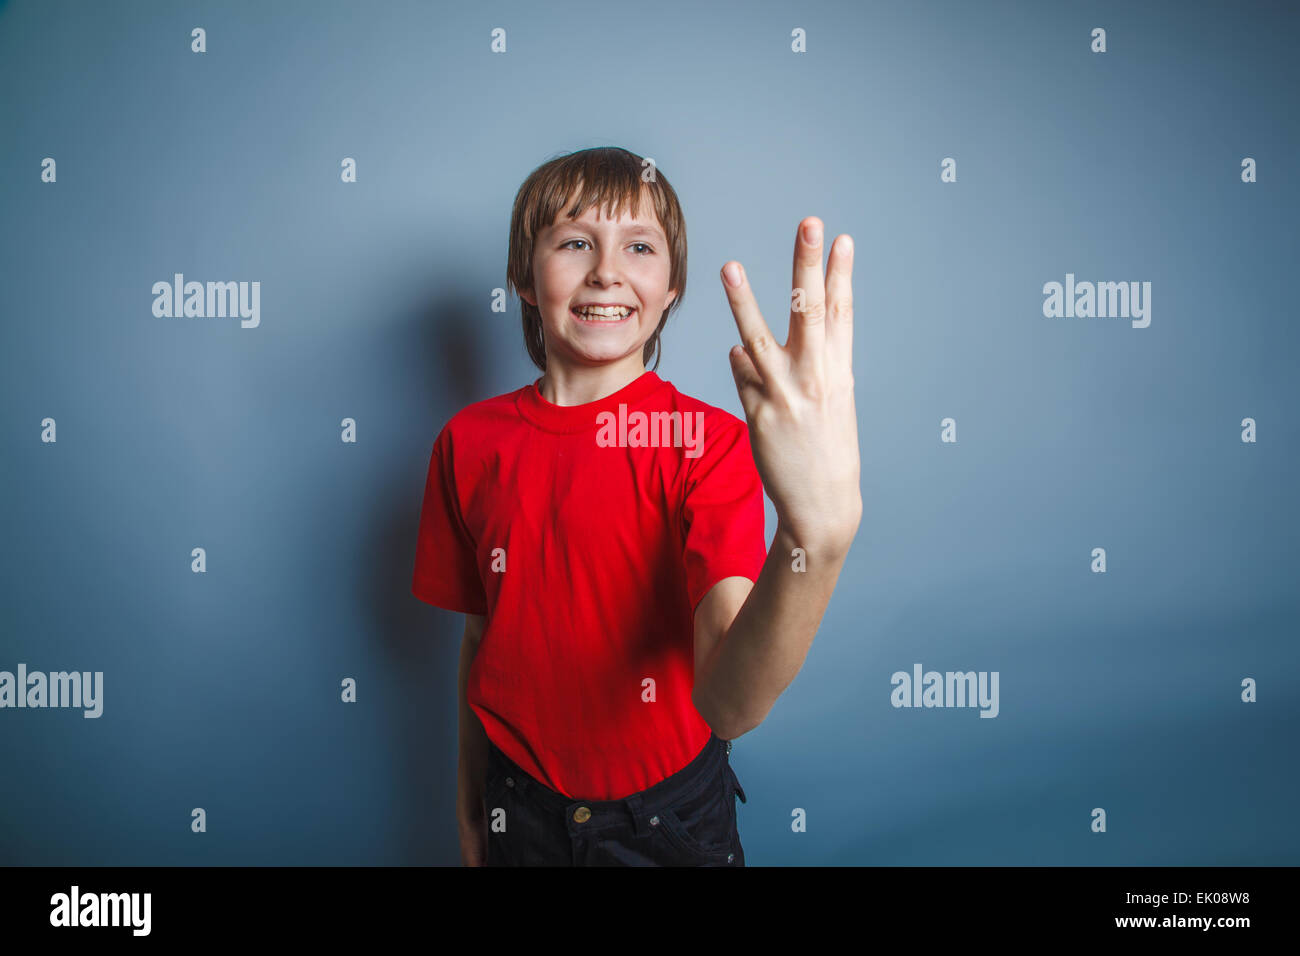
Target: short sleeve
x,y
446,565
722,513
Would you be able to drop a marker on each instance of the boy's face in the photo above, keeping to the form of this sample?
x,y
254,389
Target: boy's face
x,y
593,260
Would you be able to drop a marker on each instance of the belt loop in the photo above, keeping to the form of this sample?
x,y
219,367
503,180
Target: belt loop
x,y
636,810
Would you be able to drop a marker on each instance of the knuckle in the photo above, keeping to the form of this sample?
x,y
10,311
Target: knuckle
x,y
814,312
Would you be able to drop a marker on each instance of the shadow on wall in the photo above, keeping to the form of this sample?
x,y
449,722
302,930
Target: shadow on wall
x,y
422,643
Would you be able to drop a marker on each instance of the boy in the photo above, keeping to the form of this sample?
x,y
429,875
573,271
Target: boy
x,y
603,534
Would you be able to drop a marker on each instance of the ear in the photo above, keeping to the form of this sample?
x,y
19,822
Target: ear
x,y
528,296
672,294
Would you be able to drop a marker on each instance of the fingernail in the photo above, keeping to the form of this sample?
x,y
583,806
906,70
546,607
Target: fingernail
x,y
731,272
812,233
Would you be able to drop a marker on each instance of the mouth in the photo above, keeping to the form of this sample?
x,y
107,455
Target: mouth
x,y
603,317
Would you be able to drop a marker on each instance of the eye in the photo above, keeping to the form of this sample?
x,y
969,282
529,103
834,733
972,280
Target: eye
x,y
648,249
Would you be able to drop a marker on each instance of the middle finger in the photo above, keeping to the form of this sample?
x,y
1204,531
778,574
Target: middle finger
x,y
807,337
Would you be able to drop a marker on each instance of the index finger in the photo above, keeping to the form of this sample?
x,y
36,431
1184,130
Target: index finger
x,y
754,333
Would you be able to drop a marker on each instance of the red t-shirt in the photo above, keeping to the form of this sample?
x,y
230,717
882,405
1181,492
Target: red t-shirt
x,y
587,535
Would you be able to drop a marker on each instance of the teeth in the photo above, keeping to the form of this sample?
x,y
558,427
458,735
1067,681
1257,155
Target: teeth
x,y
608,314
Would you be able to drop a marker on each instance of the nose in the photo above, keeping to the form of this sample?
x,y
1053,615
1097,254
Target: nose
x,y
607,270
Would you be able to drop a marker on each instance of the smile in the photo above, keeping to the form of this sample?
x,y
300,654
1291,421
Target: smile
x,y
590,316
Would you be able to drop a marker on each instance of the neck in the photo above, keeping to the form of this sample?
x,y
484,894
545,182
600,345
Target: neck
x,y
577,385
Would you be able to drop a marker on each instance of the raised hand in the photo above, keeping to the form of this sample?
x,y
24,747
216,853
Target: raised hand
x,y
798,398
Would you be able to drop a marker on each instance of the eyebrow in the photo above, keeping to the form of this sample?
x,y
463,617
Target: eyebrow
x,y
636,229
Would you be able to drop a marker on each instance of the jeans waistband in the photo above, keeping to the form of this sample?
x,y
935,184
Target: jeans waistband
x,y
639,807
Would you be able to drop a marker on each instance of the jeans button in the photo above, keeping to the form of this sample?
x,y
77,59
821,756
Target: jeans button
x,y
582,814
654,821
510,781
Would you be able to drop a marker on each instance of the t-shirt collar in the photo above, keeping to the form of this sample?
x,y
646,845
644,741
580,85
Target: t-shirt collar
x,y
574,418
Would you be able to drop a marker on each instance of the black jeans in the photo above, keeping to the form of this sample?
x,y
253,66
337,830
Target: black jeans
x,y
688,819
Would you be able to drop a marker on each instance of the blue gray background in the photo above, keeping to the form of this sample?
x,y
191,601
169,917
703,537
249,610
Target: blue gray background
x,y
1119,690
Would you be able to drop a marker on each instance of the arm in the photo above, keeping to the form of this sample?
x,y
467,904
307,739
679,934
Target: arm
x,y
751,640
471,815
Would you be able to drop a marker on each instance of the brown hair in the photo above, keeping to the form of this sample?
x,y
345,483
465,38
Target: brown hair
x,y
612,178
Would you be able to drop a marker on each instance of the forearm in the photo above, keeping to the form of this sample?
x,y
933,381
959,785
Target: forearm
x,y
473,742
765,647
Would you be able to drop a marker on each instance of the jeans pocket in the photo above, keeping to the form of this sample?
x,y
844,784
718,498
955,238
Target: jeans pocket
x,y
705,822
735,782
